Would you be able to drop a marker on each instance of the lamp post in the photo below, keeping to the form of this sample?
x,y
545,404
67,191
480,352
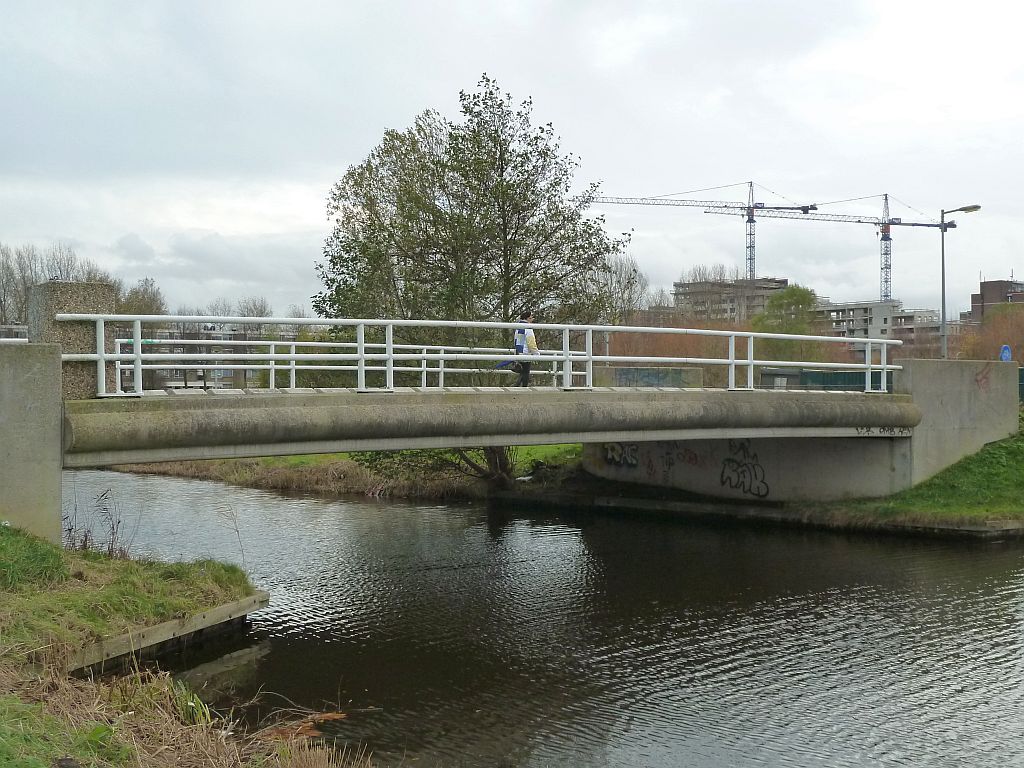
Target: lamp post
x,y
943,226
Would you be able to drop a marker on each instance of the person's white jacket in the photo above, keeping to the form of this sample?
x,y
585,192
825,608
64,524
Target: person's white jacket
x,y
525,342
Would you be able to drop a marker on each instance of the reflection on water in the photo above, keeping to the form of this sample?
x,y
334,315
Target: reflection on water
x,y
458,636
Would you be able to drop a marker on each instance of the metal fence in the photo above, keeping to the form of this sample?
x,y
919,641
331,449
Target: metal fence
x,y
369,351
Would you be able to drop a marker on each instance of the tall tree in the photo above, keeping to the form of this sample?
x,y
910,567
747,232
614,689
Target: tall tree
x,y
143,298
626,287
28,265
469,220
791,310
475,219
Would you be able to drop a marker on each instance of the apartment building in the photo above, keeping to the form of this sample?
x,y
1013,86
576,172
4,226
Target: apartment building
x,y
992,293
731,300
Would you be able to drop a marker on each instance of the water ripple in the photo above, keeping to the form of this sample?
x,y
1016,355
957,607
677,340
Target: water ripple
x,y
459,636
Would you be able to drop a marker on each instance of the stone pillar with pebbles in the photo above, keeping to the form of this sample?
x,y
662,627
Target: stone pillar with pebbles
x,y
46,301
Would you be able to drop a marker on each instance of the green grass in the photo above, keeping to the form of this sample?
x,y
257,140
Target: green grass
x,y
52,599
526,456
26,560
988,485
304,460
31,738
564,453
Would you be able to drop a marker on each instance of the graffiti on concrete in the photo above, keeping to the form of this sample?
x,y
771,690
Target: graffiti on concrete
x,y
884,431
983,379
742,470
621,454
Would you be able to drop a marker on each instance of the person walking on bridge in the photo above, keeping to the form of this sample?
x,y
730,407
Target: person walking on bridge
x,y
525,344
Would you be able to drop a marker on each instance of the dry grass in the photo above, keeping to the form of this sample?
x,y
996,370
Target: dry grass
x,y
336,477
142,719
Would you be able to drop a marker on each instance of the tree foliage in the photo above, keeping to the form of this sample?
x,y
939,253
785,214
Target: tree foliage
x,y
27,265
467,220
1001,324
143,298
791,310
474,219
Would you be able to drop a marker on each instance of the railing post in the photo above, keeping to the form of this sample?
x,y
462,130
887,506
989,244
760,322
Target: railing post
x,y
101,359
440,370
867,366
361,361
137,362
732,361
389,350
291,366
750,362
272,382
883,385
589,347
566,361
423,369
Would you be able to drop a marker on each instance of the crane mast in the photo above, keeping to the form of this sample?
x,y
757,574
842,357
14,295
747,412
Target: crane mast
x,y
885,250
751,272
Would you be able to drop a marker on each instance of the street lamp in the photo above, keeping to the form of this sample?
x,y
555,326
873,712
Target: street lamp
x,y
943,226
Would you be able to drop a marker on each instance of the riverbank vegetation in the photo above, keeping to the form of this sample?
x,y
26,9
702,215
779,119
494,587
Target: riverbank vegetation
x,y
53,601
397,474
985,487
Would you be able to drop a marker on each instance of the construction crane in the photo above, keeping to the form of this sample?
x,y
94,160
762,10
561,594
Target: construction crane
x,y
748,209
884,224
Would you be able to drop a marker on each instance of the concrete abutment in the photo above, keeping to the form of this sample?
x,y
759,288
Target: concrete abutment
x,y
30,438
963,404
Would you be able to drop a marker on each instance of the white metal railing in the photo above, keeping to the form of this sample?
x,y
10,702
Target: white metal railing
x,y
291,369
572,362
14,341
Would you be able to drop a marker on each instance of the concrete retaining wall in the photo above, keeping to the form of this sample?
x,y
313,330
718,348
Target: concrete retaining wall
x,y
964,404
30,438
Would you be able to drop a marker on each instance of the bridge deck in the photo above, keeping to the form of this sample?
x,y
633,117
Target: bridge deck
x,y
224,424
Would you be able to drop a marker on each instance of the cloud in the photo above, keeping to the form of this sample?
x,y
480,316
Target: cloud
x,y
196,142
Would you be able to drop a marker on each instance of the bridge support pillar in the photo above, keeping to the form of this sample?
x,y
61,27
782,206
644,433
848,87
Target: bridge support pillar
x,y
30,438
55,297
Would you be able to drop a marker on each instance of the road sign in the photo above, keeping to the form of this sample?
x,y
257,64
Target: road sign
x,y
1005,354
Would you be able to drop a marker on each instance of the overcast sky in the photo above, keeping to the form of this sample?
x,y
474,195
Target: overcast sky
x,y
196,142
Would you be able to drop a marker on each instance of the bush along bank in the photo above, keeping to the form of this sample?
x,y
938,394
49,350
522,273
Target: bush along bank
x,y
53,601
384,474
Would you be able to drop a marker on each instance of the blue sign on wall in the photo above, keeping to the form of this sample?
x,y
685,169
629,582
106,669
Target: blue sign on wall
x,y
1005,354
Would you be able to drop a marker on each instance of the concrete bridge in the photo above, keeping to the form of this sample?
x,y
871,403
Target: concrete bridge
x,y
738,442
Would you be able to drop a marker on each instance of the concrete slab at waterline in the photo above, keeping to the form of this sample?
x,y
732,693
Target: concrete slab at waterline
x,y
131,430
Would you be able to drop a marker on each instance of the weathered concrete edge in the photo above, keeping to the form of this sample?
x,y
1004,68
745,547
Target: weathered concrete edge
x,y
154,455
694,510
147,639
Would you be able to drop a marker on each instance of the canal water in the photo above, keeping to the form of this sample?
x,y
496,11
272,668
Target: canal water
x,y
458,636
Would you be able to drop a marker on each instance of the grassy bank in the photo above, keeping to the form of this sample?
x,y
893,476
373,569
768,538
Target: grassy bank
x,y
987,486
337,474
52,601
